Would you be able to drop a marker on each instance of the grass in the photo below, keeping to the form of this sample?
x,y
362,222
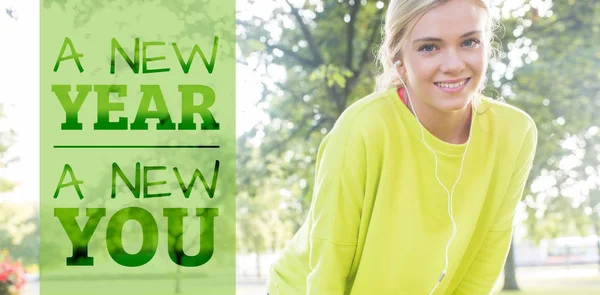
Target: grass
x,y
563,291
577,280
557,281
556,290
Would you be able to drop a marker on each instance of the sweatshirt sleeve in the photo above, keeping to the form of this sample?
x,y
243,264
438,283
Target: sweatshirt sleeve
x,y
489,260
334,216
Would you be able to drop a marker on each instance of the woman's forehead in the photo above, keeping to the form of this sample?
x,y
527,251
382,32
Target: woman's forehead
x,y
450,20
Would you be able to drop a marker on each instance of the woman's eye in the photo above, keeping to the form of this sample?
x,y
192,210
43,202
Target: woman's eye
x,y
471,42
427,48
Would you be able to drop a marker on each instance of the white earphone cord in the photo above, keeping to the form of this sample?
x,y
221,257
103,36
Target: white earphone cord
x,y
450,194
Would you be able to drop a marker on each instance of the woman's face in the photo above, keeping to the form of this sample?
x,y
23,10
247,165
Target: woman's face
x,y
446,45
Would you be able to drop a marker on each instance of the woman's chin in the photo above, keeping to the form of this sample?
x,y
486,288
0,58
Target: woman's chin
x,y
452,105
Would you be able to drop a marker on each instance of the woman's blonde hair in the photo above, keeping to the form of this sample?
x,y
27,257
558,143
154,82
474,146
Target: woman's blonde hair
x,y
401,17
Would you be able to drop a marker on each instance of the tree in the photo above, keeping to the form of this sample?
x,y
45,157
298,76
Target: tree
x,y
564,81
6,140
326,50
18,223
260,225
19,231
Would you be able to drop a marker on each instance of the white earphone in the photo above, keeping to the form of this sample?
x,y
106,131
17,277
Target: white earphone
x,y
398,63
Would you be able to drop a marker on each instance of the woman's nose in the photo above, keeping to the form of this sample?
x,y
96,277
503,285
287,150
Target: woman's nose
x,y
453,62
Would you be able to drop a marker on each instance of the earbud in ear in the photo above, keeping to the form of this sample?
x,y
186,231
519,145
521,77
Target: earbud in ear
x,y
397,63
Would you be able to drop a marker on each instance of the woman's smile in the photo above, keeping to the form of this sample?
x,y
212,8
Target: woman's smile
x,y
453,87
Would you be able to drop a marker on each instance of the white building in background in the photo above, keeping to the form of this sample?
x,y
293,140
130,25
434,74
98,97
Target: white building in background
x,y
558,251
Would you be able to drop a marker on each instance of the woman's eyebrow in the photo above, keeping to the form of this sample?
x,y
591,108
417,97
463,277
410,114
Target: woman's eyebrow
x,y
431,39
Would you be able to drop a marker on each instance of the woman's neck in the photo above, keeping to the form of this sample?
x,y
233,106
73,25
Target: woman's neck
x,y
451,127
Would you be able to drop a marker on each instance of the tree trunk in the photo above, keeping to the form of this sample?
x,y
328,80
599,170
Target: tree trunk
x,y
178,280
597,228
258,274
510,278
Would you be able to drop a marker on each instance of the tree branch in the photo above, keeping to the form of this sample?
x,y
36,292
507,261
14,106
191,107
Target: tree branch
x,y
289,90
350,34
240,61
333,94
306,32
303,60
336,97
279,145
375,26
314,128
364,57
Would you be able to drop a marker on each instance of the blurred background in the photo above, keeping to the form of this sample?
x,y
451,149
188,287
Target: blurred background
x,y
300,64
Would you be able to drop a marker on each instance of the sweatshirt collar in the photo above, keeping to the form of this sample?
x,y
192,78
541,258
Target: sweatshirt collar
x,y
413,124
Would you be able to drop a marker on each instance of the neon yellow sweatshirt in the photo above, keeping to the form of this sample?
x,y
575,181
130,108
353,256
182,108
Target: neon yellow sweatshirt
x,y
378,222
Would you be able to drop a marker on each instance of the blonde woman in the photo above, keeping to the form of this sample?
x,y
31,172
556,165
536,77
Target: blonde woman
x,y
417,184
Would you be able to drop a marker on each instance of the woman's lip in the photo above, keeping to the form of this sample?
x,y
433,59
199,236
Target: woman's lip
x,y
454,90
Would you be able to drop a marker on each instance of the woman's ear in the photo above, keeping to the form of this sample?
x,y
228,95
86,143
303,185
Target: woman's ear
x,y
400,67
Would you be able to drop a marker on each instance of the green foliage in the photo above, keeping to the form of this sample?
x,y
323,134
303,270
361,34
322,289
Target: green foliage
x,y
19,231
6,140
18,223
560,91
326,51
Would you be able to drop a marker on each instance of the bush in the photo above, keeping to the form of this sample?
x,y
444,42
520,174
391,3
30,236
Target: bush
x,y
12,276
